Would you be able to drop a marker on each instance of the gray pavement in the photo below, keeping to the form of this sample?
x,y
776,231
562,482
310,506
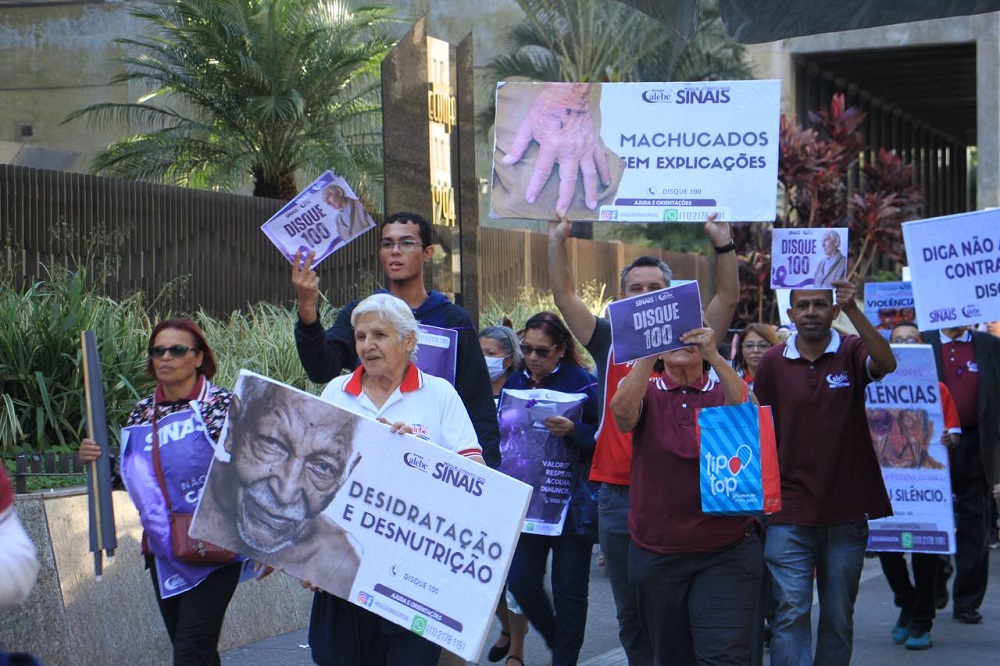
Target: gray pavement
x,y
954,643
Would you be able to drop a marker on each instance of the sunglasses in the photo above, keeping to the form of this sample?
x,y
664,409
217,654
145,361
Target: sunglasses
x,y
540,352
176,351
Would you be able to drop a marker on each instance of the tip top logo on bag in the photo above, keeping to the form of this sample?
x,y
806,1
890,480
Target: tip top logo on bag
x,y
723,470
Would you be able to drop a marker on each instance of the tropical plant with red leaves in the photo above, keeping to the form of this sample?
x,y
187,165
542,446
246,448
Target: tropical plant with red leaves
x,y
813,164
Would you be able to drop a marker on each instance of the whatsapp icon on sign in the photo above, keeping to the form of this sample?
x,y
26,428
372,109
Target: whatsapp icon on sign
x,y
419,625
670,215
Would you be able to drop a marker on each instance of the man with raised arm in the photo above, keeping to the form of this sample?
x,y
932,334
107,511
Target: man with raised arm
x,y
831,483
613,455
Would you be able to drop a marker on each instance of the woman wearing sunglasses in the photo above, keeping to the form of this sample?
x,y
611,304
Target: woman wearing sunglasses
x,y
553,363
184,417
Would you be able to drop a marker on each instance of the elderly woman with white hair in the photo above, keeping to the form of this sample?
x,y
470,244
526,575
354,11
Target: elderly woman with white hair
x,y
388,386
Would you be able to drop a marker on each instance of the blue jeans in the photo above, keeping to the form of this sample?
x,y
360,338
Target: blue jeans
x,y
836,553
613,507
562,621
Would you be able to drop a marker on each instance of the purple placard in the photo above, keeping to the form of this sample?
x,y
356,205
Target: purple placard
x,y
653,323
322,218
437,351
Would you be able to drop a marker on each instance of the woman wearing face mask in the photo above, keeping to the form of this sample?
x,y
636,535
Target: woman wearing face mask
x,y
503,355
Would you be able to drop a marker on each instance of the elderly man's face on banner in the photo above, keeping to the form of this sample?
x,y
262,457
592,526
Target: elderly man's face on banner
x,y
289,461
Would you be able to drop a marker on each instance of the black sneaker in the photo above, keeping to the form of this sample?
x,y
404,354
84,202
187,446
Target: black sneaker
x,y
968,616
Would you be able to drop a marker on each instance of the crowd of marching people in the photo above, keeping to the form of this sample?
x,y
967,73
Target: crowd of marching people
x,y
688,587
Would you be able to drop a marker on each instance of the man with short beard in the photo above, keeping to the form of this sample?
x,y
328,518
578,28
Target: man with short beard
x,y
287,463
831,483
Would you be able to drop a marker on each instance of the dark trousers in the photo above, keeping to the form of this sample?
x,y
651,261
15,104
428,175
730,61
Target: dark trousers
x,y
563,620
916,598
699,608
343,634
194,618
972,553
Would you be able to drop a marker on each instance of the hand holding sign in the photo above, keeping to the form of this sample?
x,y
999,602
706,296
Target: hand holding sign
x,y
704,338
846,295
306,284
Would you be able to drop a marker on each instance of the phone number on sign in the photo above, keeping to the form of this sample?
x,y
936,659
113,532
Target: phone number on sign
x,y
444,638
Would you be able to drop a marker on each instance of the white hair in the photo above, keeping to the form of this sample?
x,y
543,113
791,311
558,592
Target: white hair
x,y
394,311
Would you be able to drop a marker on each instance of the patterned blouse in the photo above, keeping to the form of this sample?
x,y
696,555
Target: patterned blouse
x,y
214,408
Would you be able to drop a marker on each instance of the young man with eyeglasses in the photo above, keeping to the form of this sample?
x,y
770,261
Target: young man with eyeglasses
x,y
404,248
968,363
613,455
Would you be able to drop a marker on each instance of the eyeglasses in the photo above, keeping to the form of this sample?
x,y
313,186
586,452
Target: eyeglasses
x,y
905,341
176,351
758,346
405,246
540,352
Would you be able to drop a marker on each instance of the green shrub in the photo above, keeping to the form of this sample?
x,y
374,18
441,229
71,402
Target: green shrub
x,y
42,405
260,339
532,302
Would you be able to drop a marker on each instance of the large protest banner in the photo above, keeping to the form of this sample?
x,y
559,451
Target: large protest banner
x,y
322,218
888,304
414,533
636,152
808,258
653,323
906,421
537,457
955,268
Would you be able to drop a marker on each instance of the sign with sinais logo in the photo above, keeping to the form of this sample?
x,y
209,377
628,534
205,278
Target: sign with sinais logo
x,y
955,268
407,529
636,152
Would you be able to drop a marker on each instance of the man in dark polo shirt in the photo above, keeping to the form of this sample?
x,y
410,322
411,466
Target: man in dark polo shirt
x,y
968,363
613,455
831,484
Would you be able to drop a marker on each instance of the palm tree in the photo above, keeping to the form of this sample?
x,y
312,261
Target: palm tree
x,y
602,40
250,90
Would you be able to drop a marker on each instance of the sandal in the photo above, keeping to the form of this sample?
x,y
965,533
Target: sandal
x,y
516,658
498,652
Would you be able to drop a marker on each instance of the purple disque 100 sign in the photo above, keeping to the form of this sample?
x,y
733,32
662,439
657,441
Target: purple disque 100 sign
x,y
653,323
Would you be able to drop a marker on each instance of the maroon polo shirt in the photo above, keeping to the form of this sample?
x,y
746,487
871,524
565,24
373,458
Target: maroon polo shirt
x,y
829,471
961,376
665,496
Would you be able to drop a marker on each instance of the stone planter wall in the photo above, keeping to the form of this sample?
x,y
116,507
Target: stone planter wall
x,y
71,618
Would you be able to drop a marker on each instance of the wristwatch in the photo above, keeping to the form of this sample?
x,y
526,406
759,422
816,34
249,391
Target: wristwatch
x,y
728,247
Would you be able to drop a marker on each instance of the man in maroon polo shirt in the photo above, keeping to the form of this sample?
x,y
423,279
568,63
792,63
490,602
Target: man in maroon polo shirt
x,y
831,484
968,363
697,576
613,455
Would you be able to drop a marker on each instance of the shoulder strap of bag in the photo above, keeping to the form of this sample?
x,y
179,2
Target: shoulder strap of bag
x,y
157,465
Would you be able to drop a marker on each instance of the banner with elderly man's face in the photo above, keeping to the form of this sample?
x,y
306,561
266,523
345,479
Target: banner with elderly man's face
x,y
808,258
416,534
906,420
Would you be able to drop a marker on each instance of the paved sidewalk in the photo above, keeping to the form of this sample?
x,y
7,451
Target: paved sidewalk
x,y
954,643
